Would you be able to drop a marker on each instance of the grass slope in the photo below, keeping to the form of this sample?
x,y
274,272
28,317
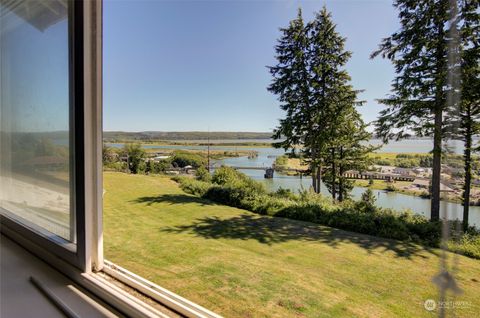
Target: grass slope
x,y
240,264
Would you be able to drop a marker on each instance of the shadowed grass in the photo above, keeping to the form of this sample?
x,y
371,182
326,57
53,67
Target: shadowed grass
x,y
240,264
271,230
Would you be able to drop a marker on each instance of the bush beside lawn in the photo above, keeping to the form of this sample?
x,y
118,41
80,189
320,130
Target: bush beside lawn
x,y
233,188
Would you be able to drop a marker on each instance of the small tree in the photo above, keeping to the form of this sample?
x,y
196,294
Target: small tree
x,y
202,174
109,155
368,200
149,167
135,156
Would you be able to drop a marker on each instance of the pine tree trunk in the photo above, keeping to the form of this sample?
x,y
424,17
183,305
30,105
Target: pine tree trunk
x,y
468,171
438,121
334,172
314,168
319,178
437,167
340,177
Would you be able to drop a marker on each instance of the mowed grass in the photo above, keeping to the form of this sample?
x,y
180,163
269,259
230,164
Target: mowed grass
x,y
240,264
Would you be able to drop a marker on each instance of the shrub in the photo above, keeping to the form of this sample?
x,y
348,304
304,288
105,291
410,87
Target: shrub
x,y
298,212
136,155
425,195
407,163
405,156
367,202
390,188
233,188
226,176
161,166
115,166
192,186
286,193
468,245
182,159
203,174
281,162
383,162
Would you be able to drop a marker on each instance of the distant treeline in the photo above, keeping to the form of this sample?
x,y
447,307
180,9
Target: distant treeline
x,y
112,136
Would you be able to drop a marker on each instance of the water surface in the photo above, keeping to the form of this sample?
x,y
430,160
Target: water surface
x,y
397,201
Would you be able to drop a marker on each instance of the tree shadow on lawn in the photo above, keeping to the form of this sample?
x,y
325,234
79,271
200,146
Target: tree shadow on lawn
x,y
173,199
271,230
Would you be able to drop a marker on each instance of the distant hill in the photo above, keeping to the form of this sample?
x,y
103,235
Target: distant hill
x,y
112,136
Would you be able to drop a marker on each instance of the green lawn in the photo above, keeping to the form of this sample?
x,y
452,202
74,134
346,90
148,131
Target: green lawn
x,y
380,184
240,264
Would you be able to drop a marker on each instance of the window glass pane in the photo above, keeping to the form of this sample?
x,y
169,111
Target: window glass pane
x,y
35,143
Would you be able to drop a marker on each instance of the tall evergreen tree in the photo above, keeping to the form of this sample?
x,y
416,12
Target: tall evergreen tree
x,y
464,119
323,119
291,84
333,99
418,52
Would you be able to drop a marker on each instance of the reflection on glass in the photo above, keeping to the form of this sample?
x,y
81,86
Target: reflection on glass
x,y
34,115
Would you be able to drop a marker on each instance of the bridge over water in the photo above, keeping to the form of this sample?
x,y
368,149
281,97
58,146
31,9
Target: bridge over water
x,y
349,175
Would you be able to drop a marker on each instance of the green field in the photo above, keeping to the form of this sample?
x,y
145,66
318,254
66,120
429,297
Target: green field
x,y
240,264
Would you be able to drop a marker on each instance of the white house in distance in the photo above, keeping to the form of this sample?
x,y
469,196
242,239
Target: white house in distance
x,y
159,158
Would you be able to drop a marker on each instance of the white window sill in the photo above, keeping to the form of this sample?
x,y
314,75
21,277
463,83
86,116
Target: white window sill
x,y
125,302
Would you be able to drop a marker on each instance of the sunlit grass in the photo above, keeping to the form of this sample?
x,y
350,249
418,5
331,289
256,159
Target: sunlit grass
x,y
240,264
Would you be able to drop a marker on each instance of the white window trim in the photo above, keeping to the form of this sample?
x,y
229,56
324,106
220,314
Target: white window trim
x,y
158,293
107,291
94,261
92,25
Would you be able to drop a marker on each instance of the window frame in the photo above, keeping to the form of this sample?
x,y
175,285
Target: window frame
x,y
73,253
82,263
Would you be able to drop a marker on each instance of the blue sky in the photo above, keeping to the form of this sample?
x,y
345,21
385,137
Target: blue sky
x,y
201,65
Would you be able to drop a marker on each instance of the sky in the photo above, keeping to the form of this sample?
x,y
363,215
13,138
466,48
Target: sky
x,y
202,65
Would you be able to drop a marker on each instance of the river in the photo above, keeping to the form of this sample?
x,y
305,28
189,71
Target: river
x,y
397,201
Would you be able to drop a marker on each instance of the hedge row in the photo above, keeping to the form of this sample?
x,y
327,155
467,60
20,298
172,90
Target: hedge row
x,y
233,188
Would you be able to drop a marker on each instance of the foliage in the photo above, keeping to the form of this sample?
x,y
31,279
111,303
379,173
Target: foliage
x,y
161,166
135,157
109,155
281,162
227,176
202,174
468,245
463,121
232,188
313,88
368,200
285,193
115,166
183,158
390,188
192,186
433,42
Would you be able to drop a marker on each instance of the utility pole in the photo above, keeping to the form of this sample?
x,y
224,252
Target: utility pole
x,y
208,150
